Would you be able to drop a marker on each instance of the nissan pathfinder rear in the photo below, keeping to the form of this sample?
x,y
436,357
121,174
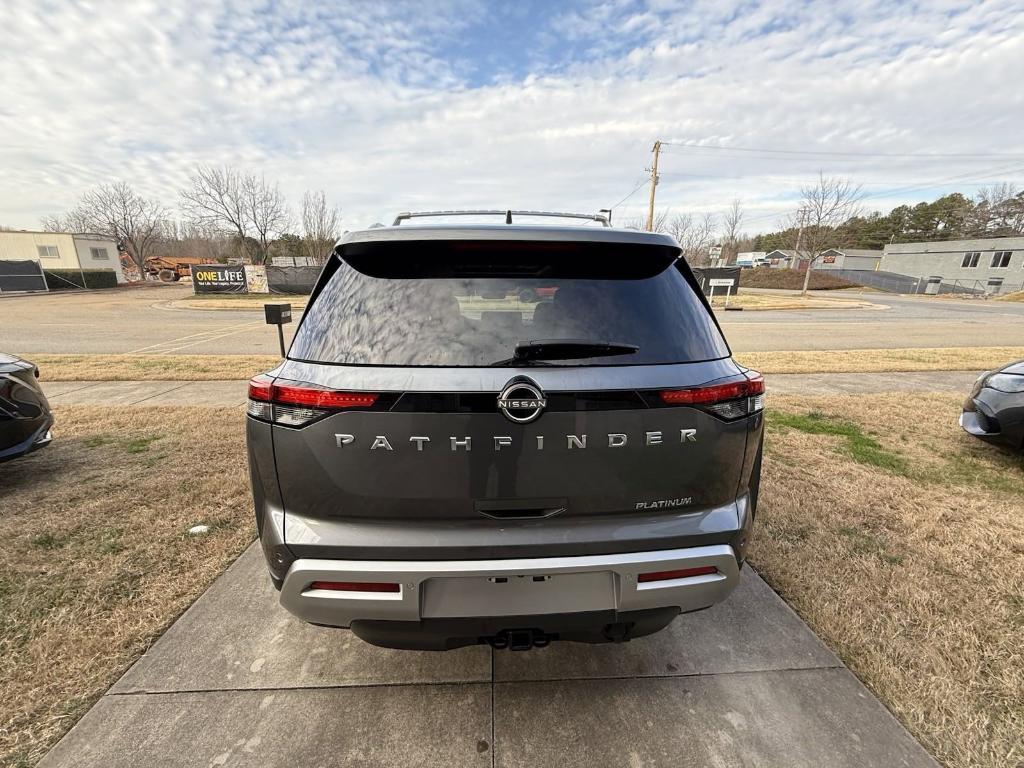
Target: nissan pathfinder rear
x,y
504,434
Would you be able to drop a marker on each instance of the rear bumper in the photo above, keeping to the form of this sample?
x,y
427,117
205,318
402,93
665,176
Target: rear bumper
x,y
499,591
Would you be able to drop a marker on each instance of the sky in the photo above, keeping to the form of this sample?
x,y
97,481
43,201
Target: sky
x,y
392,106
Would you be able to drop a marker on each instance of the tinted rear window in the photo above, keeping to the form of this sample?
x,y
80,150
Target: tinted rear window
x,y
469,304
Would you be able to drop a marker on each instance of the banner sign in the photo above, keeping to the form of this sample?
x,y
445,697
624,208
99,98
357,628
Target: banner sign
x,y
218,278
256,278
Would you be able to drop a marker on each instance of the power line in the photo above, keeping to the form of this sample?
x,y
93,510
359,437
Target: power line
x,y
925,185
826,153
642,183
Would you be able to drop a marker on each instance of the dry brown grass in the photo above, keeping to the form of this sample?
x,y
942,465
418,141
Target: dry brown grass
x,y
763,301
900,540
95,559
1015,296
239,302
150,367
882,360
221,367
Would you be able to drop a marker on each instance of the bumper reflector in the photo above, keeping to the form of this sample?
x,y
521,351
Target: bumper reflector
x,y
682,573
356,586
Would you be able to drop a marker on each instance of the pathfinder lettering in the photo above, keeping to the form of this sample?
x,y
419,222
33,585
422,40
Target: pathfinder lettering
x,y
652,439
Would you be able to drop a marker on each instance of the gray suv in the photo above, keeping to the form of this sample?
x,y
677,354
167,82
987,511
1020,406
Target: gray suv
x,y
504,434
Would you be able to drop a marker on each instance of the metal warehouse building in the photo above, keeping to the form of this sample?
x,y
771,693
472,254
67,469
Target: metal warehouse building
x,y
993,265
849,258
24,255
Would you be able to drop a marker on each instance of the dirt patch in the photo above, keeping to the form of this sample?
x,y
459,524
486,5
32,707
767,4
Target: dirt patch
x,y
96,561
791,279
900,540
1015,296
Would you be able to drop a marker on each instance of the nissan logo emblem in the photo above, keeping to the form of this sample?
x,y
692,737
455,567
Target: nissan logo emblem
x,y
521,402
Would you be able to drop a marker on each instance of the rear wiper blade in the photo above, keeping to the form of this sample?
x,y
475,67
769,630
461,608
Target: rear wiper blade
x,y
566,349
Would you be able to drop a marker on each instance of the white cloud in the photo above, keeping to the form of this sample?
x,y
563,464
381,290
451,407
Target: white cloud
x,y
379,105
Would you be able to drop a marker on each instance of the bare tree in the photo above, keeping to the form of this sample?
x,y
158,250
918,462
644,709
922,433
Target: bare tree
x,y
660,223
320,223
823,208
732,226
187,239
694,235
999,211
74,220
266,210
135,222
243,204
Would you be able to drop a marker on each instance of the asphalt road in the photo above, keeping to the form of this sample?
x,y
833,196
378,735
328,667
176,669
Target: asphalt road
x,y
139,320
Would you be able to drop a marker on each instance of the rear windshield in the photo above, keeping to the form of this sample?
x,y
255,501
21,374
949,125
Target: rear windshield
x,y
427,305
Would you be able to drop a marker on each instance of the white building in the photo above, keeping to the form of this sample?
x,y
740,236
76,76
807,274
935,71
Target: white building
x,y
62,250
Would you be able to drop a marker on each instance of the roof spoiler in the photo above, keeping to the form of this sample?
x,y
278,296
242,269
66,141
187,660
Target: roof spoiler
x,y
508,214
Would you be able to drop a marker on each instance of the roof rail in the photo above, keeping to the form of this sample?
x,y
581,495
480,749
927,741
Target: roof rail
x,y
507,214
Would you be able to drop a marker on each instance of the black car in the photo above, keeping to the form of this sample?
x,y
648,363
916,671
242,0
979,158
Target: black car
x,y
25,418
995,409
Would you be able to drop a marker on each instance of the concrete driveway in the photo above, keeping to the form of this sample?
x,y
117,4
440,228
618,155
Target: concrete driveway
x,y
239,682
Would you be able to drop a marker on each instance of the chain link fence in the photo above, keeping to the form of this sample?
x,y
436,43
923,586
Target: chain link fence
x,y
892,282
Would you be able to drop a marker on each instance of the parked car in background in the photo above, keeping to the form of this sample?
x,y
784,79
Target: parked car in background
x,y
25,418
994,411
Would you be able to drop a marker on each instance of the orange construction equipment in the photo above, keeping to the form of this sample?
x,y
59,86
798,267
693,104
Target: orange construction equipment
x,y
171,270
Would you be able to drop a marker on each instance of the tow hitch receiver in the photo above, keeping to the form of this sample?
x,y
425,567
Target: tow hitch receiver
x,y
519,639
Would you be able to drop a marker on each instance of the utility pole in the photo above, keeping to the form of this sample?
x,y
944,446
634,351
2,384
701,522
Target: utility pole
x,y
654,183
799,240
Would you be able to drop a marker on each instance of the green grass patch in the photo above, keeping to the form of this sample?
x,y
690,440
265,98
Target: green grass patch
x,y
47,540
863,543
859,446
140,444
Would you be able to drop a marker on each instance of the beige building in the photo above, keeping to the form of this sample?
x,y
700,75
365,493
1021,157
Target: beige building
x,y
62,250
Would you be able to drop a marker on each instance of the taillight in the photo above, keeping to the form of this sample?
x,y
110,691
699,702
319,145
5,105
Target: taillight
x,y
296,404
729,401
356,586
682,573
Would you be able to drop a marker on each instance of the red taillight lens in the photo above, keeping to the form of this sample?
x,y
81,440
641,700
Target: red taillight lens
x,y
356,586
296,404
752,386
703,395
682,573
314,397
260,390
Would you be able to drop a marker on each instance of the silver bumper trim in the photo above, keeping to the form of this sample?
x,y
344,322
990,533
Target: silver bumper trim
x,y
550,585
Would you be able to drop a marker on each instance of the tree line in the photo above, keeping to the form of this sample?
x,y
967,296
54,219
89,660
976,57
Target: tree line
x,y
995,211
830,214
226,213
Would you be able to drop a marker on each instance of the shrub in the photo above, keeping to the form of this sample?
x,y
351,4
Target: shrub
x,y
68,279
